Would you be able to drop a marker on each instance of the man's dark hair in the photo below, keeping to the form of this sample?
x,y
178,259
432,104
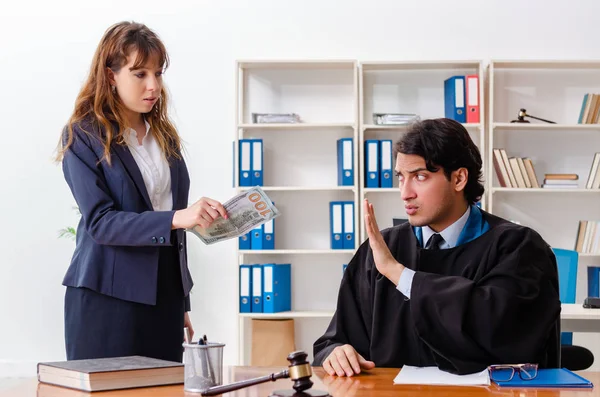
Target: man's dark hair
x,y
445,143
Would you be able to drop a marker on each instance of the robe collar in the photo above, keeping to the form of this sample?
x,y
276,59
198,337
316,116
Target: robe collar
x,y
475,227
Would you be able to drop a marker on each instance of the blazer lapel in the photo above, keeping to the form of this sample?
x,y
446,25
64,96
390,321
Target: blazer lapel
x,y
122,151
174,167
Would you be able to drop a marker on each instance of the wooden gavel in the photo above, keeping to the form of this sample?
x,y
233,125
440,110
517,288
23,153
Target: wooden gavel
x,y
299,371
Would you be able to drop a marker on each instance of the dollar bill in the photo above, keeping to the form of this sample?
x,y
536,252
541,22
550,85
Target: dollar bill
x,y
245,211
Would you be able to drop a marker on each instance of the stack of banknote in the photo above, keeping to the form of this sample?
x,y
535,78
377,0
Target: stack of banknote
x,y
245,211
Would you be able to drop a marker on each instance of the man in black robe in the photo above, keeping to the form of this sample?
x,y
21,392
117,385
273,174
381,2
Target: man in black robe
x,y
455,287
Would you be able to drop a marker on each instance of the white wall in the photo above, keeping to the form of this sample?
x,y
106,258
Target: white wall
x,y
45,50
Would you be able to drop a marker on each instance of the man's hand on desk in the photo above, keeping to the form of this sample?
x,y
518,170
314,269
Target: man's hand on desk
x,y
345,361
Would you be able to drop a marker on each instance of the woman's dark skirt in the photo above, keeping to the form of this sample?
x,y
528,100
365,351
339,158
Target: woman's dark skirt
x,y
98,325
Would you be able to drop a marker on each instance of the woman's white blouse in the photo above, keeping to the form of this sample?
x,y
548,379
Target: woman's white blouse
x,y
154,168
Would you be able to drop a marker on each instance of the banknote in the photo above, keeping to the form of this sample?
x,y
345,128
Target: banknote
x,y
245,211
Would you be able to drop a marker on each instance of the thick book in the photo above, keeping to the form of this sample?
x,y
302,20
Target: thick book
x,y
111,373
550,377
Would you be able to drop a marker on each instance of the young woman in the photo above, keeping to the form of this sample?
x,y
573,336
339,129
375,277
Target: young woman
x,y
128,282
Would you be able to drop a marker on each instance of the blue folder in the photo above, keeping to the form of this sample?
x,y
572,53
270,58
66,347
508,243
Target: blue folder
x,y
257,288
269,234
245,159
244,241
551,377
256,237
454,99
257,162
277,293
594,281
245,288
345,162
348,224
336,224
386,167
372,163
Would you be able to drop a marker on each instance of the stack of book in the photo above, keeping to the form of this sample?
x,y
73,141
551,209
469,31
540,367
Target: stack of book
x,y
560,181
588,238
516,172
593,181
590,109
108,374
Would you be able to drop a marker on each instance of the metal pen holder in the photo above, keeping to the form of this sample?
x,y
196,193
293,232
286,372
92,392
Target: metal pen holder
x,y
203,366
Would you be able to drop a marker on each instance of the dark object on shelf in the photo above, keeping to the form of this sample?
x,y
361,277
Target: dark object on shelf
x,y
591,303
523,114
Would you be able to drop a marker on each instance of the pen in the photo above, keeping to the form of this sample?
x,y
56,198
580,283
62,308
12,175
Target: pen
x,y
211,373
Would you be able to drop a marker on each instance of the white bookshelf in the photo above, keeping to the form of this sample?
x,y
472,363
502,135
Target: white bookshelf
x,y
400,128
303,188
552,90
295,252
336,99
300,176
298,126
544,190
546,127
407,87
292,314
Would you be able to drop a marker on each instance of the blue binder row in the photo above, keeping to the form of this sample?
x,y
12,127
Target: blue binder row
x,y
265,288
341,220
250,162
378,163
454,99
594,281
261,237
345,161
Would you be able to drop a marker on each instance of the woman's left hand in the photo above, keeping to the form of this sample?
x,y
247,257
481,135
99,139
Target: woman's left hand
x,y
188,323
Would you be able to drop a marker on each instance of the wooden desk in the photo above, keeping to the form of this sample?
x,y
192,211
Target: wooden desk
x,y
575,318
376,383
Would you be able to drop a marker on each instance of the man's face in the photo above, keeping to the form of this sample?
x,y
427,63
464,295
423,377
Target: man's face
x,y
429,198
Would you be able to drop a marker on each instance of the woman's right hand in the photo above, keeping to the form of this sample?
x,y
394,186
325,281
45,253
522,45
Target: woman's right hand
x,y
202,213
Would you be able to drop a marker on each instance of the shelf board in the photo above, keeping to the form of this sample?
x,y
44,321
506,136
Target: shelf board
x,y
549,64
297,64
403,127
295,252
588,255
294,126
381,190
545,126
420,65
542,190
292,314
300,188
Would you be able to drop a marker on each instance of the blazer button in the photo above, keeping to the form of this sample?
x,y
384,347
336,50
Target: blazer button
x,y
162,240
154,240
181,246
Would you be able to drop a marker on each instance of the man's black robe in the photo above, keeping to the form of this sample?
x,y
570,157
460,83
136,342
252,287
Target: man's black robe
x,y
492,300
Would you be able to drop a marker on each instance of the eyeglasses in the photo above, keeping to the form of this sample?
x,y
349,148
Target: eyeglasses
x,y
505,372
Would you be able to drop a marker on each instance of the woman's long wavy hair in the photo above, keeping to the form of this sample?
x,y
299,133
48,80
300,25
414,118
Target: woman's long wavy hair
x,y
97,102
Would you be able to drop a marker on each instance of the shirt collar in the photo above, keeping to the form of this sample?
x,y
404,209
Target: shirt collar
x,y
451,233
132,134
